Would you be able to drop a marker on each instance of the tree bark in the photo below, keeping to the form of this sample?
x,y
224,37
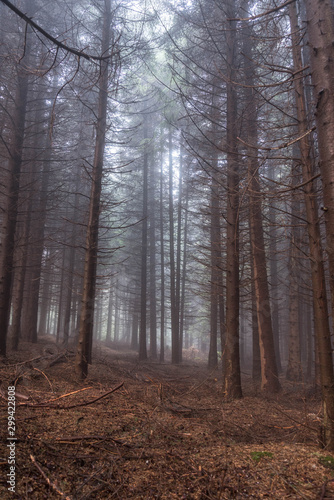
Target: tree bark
x,y
173,290
269,373
232,375
143,285
84,348
12,198
215,249
320,29
153,298
162,266
294,371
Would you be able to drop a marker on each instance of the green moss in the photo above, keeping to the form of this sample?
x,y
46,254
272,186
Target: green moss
x,y
257,455
327,461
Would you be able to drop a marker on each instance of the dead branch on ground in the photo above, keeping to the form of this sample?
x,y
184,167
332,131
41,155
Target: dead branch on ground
x,y
50,483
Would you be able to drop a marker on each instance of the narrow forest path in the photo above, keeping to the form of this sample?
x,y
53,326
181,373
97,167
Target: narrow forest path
x,y
166,433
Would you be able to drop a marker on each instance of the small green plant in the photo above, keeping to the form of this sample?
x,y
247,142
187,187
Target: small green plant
x,y
257,455
327,461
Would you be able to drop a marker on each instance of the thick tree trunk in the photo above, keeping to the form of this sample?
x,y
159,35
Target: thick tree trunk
x,y
84,348
320,28
12,197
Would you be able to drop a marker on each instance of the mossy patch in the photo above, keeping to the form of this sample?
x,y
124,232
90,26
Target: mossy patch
x,y
258,455
327,461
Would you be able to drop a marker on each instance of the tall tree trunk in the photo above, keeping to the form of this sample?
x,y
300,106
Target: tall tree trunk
x,y
256,367
162,266
60,319
269,373
84,348
215,265
274,283
110,304
46,295
143,285
21,254
232,375
12,197
173,291
183,273
153,298
117,313
35,254
294,371
71,264
178,250
320,28
135,324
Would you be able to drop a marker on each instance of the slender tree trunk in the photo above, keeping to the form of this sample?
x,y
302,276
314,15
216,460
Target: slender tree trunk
x,y
256,368
60,319
117,313
232,375
274,283
153,298
178,250
110,304
35,254
46,296
184,273
135,325
215,265
84,348
71,264
143,286
162,267
294,371
173,297
269,373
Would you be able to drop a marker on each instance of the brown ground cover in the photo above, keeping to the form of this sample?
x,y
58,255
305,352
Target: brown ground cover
x,y
166,433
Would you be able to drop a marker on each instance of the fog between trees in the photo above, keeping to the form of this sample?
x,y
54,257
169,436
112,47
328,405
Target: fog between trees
x,y
167,183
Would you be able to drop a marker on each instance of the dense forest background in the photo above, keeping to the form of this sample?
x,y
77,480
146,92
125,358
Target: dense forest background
x,y
167,183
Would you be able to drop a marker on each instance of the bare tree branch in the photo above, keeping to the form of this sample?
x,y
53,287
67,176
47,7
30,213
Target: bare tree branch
x,y
47,35
275,9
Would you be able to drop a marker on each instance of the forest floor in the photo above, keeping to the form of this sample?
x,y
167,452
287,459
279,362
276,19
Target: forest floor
x,y
165,432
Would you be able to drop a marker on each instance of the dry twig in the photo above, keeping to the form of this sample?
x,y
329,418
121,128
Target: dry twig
x,y
50,483
46,405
